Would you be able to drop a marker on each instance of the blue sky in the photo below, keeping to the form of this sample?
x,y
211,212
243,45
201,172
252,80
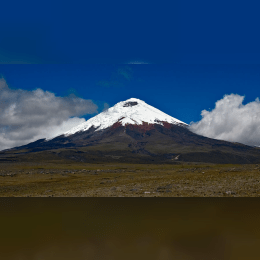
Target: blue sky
x,y
116,32
181,91
178,56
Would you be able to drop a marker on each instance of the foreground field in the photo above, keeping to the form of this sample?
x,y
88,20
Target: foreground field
x,y
128,180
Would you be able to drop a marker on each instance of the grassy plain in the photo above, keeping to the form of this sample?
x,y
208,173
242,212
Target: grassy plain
x,y
57,179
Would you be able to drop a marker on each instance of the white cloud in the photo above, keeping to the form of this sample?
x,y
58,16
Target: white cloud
x,y
26,116
231,120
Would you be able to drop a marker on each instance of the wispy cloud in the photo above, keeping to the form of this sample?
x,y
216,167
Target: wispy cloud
x,y
26,116
118,78
231,120
137,62
106,107
126,72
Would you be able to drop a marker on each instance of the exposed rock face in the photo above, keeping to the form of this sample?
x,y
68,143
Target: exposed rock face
x,y
130,104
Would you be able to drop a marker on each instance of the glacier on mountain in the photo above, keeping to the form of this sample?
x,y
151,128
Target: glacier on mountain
x,y
131,111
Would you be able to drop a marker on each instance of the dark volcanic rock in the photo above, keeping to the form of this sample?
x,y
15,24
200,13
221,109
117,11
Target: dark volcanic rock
x,y
153,143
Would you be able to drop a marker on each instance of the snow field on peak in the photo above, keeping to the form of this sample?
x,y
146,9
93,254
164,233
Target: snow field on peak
x,y
132,111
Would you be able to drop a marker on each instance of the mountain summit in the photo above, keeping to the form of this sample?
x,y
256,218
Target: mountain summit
x,y
133,131
133,111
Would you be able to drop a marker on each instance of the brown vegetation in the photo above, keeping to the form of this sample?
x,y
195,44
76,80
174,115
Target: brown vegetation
x,y
128,180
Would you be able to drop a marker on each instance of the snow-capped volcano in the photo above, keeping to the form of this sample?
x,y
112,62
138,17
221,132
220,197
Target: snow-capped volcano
x,y
135,132
132,111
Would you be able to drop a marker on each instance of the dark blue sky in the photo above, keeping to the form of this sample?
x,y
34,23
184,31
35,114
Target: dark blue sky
x,y
179,90
116,32
197,50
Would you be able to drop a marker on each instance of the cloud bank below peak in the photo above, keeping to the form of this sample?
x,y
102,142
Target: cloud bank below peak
x,y
231,120
26,116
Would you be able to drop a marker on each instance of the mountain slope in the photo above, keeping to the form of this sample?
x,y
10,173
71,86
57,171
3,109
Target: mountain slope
x,y
136,132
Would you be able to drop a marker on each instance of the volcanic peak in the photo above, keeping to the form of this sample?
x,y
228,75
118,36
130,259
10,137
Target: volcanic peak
x,y
132,111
